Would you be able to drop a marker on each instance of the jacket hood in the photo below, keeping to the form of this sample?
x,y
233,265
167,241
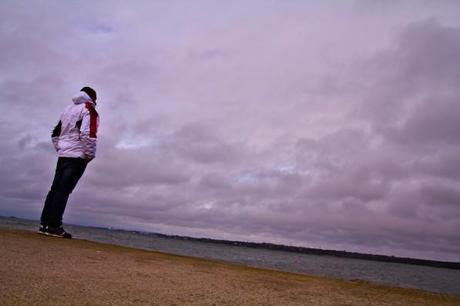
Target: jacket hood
x,y
82,97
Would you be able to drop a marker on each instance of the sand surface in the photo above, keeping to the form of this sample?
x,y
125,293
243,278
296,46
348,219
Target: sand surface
x,y
40,270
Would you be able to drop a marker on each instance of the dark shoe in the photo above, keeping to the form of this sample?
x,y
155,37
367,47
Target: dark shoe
x,y
57,232
41,229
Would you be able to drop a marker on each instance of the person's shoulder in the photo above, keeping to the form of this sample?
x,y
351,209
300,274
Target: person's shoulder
x,y
69,108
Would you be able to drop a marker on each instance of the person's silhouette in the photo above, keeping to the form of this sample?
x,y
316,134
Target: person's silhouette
x,y
74,138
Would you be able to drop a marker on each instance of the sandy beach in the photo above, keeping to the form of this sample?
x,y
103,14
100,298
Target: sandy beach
x,y
40,270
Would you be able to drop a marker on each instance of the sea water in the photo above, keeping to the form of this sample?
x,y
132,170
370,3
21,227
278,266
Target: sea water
x,y
433,279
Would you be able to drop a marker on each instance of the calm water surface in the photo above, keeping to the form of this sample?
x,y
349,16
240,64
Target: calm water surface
x,y
401,275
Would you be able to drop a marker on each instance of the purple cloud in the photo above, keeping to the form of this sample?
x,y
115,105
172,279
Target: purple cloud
x,y
319,125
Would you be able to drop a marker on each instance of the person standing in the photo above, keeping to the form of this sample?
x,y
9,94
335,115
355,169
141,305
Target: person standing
x,y
74,138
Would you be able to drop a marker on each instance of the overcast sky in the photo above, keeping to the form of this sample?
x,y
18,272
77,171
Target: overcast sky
x,y
332,124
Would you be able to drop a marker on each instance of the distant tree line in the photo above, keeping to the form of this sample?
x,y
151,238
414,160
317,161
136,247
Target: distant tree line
x,y
315,251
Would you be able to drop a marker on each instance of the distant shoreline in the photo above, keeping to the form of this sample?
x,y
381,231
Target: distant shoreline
x,y
294,249
315,251
42,270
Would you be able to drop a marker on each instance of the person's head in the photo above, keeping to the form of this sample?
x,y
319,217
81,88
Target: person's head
x,y
90,92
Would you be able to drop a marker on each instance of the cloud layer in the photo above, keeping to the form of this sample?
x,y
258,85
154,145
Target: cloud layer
x,y
325,125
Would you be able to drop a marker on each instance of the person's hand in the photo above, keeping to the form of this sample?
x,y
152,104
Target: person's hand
x,y
88,159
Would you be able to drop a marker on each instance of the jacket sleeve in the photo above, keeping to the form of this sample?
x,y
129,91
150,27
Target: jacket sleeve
x,y
88,131
55,135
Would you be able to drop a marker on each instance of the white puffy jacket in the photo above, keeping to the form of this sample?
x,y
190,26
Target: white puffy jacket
x,y
75,133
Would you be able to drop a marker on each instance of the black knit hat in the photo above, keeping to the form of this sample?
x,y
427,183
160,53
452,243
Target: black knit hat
x,y
91,93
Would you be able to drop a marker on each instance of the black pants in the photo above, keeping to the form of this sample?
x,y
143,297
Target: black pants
x,y
68,172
